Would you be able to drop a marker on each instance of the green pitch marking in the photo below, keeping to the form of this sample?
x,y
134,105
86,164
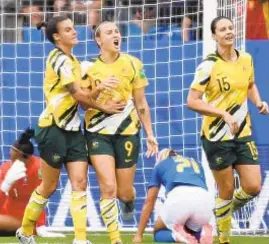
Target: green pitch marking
x,y
101,238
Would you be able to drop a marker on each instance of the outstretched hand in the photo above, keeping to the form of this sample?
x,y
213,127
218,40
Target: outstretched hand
x,y
263,108
152,146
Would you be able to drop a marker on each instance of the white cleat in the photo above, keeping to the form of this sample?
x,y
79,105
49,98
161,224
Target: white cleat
x,y
24,239
81,242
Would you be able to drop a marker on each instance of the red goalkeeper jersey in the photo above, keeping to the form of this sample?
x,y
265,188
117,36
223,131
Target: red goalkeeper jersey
x,y
18,197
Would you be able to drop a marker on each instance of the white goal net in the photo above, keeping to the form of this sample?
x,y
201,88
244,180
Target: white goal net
x,y
166,35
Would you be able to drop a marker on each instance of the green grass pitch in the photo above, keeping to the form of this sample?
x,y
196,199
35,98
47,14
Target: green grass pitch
x,y
101,238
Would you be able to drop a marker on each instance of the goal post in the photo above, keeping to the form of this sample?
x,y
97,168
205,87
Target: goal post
x,y
170,38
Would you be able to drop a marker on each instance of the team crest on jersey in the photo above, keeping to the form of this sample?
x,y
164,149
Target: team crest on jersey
x,y
95,145
245,68
219,160
56,158
142,74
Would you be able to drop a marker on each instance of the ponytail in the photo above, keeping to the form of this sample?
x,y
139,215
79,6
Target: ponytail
x,y
41,24
24,144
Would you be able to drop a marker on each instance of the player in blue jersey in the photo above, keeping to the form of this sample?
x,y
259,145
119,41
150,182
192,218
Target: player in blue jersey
x,y
187,209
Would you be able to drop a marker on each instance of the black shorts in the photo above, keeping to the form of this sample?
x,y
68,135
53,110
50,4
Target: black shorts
x,y
57,146
222,154
125,149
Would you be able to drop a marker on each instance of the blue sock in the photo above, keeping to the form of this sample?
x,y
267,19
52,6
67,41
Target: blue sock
x,y
163,235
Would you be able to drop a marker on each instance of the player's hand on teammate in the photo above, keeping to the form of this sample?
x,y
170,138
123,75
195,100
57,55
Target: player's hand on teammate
x,y
108,84
113,107
152,146
230,121
263,108
137,239
16,172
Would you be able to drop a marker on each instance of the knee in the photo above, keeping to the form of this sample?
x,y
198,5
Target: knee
x,y
252,189
79,184
126,194
46,190
108,190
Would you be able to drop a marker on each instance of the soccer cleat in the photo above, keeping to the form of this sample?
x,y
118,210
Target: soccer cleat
x,y
24,239
182,236
81,242
127,210
207,235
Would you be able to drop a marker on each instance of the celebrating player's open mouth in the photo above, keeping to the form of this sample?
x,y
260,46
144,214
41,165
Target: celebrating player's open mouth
x,y
117,44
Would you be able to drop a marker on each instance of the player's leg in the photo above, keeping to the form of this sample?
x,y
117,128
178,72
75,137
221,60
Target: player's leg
x,y
51,145
126,152
198,224
249,173
102,158
77,170
9,223
161,233
221,157
126,192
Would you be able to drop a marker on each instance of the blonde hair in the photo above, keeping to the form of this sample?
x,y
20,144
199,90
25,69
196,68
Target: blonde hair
x,y
164,154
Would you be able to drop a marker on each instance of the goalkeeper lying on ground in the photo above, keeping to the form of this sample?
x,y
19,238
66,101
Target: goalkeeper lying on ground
x,y
18,178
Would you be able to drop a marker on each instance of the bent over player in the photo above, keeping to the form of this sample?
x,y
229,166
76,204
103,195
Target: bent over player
x,y
187,209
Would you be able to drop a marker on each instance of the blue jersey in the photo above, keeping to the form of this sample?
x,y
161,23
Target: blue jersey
x,y
175,171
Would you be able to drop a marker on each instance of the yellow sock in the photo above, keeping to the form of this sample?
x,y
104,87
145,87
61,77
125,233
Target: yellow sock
x,y
223,215
240,198
79,214
109,212
32,212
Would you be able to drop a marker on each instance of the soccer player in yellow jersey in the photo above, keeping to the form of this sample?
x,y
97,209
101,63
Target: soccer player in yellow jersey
x,y
113,140
226,78
59,137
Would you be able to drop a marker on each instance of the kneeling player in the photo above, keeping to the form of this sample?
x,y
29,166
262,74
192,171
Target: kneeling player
x,y
187,210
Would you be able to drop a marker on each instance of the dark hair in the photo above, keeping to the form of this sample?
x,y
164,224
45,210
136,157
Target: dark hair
x,y
51,26
215,21
24,144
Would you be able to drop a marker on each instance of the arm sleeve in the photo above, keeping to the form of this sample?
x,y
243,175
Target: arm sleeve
x,y
155,178
66,72
202,75
140,79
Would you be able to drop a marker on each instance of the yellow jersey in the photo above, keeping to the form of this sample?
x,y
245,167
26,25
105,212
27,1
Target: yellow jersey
x,y
225,85
129,71
61,107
